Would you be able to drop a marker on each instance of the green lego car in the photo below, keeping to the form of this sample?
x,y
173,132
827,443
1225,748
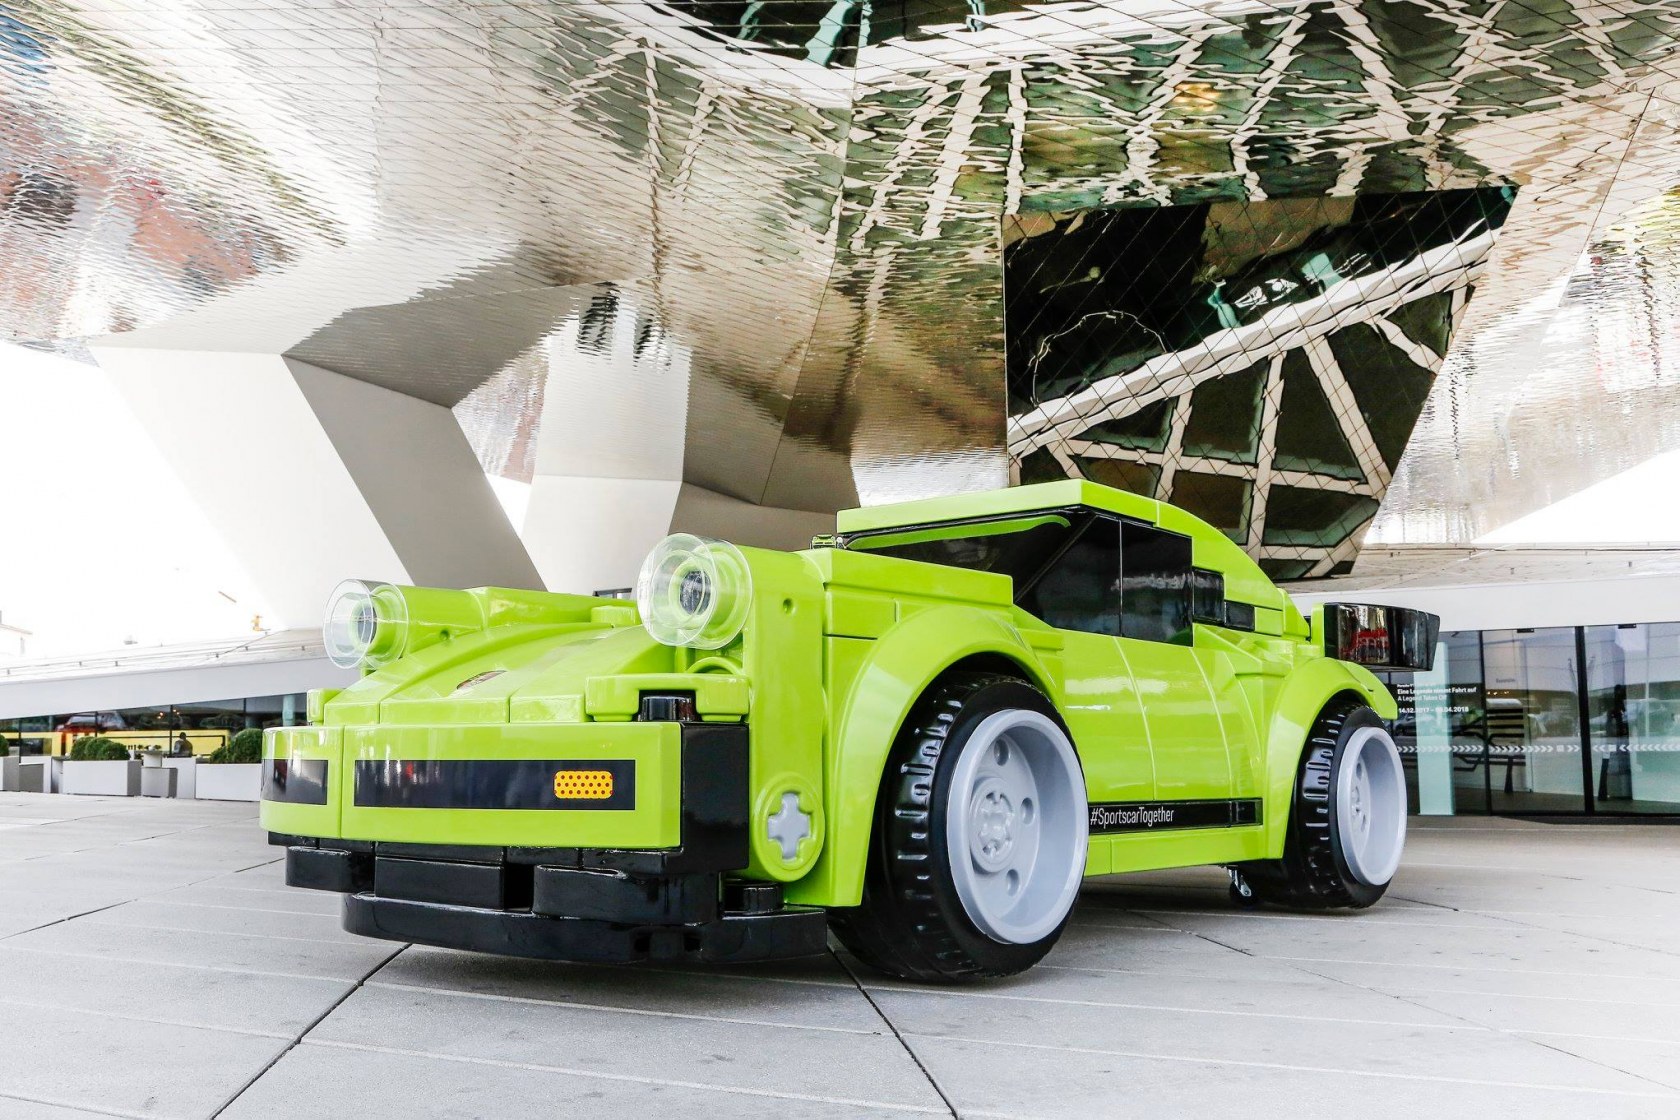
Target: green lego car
x,y
922,733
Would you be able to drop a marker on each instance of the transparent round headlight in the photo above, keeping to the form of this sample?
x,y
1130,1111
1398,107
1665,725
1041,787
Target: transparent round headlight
x,y
694,591
366,624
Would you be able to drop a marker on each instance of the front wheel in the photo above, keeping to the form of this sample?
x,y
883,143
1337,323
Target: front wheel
x,y
1347,820
980,834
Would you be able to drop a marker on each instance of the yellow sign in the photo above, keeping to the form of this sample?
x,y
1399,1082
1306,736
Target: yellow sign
x,y
583,785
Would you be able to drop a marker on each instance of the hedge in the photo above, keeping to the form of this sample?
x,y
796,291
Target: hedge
x,y
97,748
243,747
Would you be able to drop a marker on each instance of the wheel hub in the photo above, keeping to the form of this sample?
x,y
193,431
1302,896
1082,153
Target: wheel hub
x,y
1359,802
1016,826
1371,806
993,827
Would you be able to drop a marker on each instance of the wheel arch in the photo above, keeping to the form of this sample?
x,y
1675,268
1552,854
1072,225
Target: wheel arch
x,y
903,664
1310,689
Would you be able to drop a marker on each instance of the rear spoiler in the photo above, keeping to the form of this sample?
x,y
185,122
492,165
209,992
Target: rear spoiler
x,y
1378,637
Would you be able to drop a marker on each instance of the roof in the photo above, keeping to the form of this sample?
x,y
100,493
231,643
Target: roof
x,y
272,664
1015,499
1211,549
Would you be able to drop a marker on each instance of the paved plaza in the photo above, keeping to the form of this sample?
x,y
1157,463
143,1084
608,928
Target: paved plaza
x,y
152,963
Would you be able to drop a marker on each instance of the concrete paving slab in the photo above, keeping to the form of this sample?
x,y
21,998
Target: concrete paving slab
x,y
216,998
16,1108
1298,997
1549,1014
763,1052
219,892
315,1082
1472,946
99,1062
244,952
1512,979
1094,945
1459,1051
828,999
1655,1061
258,919
991,1080
1518,969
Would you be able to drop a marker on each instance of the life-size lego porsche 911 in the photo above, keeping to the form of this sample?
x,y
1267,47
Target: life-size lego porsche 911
x,y
921,733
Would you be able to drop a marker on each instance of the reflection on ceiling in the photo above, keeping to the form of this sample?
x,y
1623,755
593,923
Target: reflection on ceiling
x,y
1634,507
1573,387
801,206
1260,364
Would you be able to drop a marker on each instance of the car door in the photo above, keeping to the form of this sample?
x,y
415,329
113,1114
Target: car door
x,y
1183,710
1078,592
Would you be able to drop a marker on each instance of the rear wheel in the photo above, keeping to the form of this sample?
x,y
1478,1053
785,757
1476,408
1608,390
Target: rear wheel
x,y
1347,821
979,840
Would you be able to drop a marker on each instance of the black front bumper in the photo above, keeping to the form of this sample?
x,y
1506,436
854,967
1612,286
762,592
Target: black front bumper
x,y
578,905
788,932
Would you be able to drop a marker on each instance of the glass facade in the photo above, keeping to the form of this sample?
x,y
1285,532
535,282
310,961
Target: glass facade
x,y
205,725
1554,720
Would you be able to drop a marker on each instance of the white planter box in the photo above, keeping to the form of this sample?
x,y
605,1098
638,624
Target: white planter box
x,y
31,776
107,779
229,782
186,775
157,781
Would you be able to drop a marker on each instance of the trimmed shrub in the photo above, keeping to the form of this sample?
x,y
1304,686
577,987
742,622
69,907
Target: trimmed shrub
x,y
243,747
97,748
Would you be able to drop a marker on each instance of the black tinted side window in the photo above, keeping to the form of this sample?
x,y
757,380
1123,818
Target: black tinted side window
x,y
1081,590
1207,596
1154,584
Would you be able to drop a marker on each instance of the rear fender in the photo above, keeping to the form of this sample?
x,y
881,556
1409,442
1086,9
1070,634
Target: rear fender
x,y
1307,691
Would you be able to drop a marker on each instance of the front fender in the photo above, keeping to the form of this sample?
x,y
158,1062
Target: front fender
x,y
1310,686
902,664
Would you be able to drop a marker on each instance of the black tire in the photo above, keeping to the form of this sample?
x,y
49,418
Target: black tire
x,y
1313,874
911,923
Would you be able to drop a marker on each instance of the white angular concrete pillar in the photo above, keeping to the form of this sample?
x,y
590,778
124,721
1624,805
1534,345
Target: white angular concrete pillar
x,y
609,477
609,456
313,477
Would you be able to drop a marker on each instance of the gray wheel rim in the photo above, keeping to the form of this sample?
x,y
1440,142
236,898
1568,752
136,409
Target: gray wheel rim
x,y
1016,825
1371,806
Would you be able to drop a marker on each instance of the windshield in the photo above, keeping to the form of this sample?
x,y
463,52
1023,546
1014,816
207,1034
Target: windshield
x,y
1018,547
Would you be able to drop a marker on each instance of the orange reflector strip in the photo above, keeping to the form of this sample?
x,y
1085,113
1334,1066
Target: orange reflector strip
x,y
583,785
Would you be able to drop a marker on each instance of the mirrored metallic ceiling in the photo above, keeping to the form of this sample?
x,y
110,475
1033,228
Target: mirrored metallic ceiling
x,y
802,204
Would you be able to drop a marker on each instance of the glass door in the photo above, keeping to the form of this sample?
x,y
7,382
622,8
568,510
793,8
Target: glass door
x,y
1533,762
1633,704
